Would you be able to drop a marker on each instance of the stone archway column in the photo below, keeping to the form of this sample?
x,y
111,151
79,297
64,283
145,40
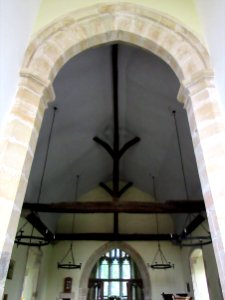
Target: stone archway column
x,y
206,121
20,138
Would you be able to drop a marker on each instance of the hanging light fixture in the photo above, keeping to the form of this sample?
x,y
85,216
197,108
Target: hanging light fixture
x,y
69,254
33,218
186,239
30,239
159,261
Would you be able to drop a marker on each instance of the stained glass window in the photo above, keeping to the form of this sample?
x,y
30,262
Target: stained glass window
x,y
104,269
115,268
114,277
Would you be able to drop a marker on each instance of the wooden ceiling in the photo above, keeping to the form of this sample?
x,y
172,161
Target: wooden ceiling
x,y
114,123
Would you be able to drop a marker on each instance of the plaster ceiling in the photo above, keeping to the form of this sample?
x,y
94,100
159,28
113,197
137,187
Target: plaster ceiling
x,y
147,94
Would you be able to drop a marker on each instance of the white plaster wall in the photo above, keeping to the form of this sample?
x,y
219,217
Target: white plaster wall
x,y
44,275
128,223
168,281
32,272
14,287
212,17
212,276
16,22
82,251
181,10
50,283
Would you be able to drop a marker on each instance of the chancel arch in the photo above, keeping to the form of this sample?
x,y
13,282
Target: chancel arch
x,y
101,24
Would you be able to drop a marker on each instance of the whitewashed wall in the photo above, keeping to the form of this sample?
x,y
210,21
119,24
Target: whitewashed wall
x,y
14,286
212,276
212,17
51,280
168,281
16,23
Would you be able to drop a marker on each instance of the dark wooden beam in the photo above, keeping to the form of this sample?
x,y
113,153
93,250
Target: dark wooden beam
x,y
105,145
192,226
115,120
114,237
106,188
125,188
128,145
36,222
115,151
120,207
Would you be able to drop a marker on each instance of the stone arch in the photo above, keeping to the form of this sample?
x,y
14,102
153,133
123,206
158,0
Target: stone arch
x,y
83,286
104,23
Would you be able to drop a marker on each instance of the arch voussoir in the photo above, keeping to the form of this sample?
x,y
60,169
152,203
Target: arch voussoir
x,y
160,35
54,55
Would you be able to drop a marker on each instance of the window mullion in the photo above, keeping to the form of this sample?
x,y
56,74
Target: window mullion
x,y
115,269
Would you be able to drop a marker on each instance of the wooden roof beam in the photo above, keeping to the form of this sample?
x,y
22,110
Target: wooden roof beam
x,y
114,237
168,207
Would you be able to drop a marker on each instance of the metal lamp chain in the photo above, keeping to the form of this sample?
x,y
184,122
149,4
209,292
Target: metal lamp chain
x,y
180,154
191,240
46,154
31,240
163,264
71,264
156,216
76,196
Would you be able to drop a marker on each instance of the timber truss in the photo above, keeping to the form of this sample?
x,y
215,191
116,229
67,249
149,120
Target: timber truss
x,y
115,207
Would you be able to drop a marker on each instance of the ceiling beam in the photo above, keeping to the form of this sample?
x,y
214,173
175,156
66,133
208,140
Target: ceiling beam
x,y
192,225
37,223
114,237
115,120
182,206
115,152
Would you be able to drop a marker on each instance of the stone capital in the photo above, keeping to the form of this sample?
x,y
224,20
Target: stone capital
x,y
37,85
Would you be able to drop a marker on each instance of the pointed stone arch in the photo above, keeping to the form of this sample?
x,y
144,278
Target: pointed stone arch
x,y
83,286
101,24
105,23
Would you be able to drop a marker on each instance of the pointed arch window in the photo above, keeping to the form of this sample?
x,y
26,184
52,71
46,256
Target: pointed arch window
x,y
116,274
